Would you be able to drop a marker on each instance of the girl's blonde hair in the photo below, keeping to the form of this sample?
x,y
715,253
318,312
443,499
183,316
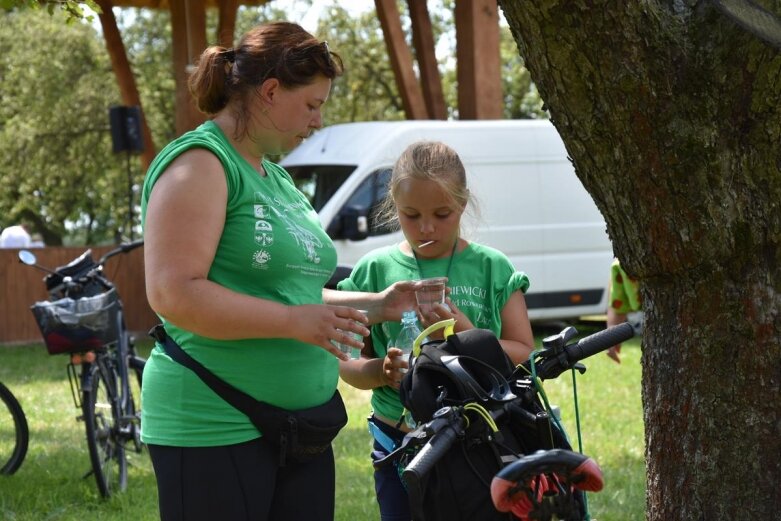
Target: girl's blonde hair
x,y
426,161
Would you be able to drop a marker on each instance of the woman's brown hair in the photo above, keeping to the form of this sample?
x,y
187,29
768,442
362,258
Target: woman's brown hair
x,y
280,50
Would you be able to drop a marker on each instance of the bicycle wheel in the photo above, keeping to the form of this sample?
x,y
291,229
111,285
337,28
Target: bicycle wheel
x,y
14,435
101,417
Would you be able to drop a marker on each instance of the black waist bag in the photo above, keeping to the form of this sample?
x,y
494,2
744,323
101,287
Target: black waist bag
x,y
299,435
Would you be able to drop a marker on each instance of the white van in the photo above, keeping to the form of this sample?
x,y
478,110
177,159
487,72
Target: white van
x,y
531,204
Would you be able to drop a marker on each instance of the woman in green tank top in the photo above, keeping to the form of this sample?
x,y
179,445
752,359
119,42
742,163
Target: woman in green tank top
x,y
236,261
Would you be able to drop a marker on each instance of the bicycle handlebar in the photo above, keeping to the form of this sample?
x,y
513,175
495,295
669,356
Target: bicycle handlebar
x,y
451,426
550,363
122,248
79,272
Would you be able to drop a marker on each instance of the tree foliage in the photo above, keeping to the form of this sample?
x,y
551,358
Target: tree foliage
x,y
55,145
367,91
72,9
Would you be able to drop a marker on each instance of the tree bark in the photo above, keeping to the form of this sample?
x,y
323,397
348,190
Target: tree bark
x,y
670,112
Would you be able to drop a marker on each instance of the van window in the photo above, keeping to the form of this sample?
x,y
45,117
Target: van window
x,y
319,182
369,195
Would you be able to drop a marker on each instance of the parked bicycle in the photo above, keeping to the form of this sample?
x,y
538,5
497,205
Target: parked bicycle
x,y
84,319
14,435
487,439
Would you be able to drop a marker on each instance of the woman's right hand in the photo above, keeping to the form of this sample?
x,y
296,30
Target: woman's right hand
x,y
321,325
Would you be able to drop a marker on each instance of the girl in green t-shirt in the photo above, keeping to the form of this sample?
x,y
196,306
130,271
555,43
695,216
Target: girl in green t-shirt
x,y
428,195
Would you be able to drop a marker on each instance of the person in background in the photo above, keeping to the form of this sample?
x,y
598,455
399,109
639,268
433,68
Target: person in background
x,y
36,241
236,261
625,299
427,196
15,236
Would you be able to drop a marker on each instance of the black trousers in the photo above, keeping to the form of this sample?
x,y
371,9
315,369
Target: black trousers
x,y
241,483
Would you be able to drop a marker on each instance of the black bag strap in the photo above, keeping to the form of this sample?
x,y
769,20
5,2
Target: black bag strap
x,y
239,399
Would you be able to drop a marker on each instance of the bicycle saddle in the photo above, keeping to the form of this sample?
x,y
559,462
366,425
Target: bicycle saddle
x,y
533,482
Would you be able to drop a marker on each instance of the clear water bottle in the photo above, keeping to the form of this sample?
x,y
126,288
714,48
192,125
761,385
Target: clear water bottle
x,y
409,332
404,341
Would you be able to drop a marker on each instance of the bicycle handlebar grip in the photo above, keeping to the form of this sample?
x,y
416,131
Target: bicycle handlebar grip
x,y
428,456
132,245
598,342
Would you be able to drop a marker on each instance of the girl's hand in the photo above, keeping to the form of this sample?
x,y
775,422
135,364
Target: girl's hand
x,y
397,298
393,367
321,325
444,312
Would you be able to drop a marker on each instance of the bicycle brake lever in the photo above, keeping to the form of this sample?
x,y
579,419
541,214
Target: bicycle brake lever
x,y
418,436
415,437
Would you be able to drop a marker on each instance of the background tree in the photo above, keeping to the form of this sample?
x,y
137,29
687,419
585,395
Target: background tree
x,y
670,112
55,147
367,91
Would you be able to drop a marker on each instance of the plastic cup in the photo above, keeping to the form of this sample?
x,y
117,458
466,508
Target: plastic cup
x,y
353,352
430,293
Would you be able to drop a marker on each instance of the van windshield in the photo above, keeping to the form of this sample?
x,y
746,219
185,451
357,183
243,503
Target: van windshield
x,y
319,182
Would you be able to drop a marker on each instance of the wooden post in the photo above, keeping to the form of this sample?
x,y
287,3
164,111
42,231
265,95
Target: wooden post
x,y
401,60
423,40
226,26
188,32
477,57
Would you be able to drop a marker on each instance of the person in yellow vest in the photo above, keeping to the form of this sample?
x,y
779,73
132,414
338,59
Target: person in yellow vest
x,y
624,302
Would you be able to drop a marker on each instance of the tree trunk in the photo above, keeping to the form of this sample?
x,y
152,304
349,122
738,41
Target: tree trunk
x,y
670,112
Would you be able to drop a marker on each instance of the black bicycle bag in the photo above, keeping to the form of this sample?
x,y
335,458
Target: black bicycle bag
x,y
458,486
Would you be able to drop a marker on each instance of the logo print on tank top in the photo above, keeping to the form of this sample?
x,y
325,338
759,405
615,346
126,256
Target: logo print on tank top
x,y
261,259
263,235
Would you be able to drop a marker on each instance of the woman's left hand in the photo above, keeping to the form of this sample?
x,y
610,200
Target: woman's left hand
x,y
444,312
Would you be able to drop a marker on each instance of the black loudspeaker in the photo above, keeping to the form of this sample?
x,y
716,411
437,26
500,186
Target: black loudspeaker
x,y
126,129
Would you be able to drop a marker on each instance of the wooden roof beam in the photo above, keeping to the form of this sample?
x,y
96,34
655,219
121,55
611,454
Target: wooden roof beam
x,y
478,61
401,60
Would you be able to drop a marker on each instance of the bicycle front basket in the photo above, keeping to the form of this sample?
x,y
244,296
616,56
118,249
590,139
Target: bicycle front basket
x,y
74,326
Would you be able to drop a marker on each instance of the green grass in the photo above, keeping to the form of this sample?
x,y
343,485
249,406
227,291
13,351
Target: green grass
x,y
49,485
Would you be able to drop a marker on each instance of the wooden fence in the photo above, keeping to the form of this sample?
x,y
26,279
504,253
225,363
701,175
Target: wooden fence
x,y
22,285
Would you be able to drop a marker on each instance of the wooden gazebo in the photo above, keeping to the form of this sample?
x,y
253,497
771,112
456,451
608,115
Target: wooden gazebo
x,y
477,56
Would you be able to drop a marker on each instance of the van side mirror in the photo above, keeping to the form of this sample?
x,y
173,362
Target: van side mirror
x,y
352,223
